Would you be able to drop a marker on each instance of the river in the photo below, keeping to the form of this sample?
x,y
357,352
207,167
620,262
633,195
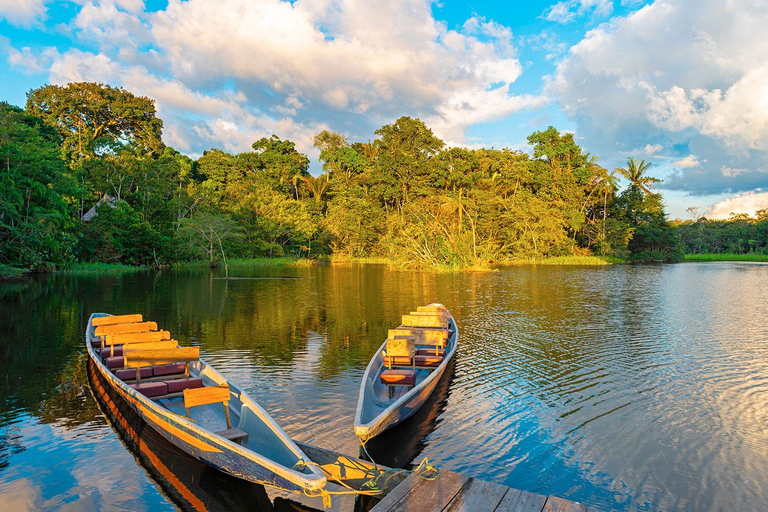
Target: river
x,y
623,387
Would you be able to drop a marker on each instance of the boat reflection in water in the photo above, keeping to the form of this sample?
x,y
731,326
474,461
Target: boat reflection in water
x,y
398,446
186,481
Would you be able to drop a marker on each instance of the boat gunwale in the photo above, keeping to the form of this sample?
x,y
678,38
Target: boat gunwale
x,y
293,476
383,415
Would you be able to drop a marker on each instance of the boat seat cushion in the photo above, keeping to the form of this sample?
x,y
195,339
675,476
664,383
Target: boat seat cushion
x,y
118,351
151,389
96,342
114,362
179,385
130,374
398,377
427,351
430,361
169,369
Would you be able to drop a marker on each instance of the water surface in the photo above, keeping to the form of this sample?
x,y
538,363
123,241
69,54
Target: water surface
x,y
627,387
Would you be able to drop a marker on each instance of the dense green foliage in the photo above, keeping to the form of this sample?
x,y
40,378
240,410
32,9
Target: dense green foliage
x,y
403,196
740,234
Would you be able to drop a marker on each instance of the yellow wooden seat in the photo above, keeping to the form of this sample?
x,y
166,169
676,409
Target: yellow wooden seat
x,y
112,320
142,358
212,395
110,340
123,328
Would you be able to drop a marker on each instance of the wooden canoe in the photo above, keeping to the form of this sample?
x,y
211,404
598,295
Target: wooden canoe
x,y
382,405
223,426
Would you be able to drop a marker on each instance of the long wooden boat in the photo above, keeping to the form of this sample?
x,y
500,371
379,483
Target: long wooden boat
x,y
405,370
193,406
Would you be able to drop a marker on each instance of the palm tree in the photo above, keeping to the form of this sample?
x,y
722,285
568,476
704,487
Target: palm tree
x,y
635,173
317,186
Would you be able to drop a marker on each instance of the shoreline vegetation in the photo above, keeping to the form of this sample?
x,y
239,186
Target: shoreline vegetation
x,y
727,257
105,194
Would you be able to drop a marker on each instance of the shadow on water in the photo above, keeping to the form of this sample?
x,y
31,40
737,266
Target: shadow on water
x,y
397,447
189,483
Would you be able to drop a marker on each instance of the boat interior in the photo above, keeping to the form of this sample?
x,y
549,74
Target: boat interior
x,y
411,353
149,361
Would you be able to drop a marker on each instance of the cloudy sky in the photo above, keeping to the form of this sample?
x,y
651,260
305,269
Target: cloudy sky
x,y
683,83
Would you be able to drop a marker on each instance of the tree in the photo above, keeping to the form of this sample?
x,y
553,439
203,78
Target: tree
x,y
92,118
208,232
635,173
37,196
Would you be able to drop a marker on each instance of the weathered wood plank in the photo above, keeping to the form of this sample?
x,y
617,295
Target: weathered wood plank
x,y
555,504
399,492
206,395
121,328
150,345
119,319
424,321
521,501
136,337
478,495
160,357
432,495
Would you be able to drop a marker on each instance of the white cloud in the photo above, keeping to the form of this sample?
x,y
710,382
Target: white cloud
x,y
652,149
265,65
747,202
568,10
690,75
23,13
689,161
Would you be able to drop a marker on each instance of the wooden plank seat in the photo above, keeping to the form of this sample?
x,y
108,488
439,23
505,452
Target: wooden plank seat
x,y
117,319
113,341
430,351
419,360
125,328
433,321
129,347
211,395
160,357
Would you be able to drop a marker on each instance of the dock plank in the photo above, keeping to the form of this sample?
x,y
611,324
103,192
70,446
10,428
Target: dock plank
x,y
478,495
432,495
555,504
521,501
397,494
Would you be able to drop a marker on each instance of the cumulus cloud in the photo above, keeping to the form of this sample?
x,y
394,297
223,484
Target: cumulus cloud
x,y
568,10
747,202
23,13
689,161
690,75
652,149
298,67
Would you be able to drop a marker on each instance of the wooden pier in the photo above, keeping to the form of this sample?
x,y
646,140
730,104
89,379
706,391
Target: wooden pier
x,y
450,492
454,492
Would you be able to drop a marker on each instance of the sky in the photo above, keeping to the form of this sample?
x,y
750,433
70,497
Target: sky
x,y
680,83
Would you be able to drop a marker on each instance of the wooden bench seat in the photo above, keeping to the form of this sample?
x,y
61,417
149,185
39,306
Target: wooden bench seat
x,y
233,434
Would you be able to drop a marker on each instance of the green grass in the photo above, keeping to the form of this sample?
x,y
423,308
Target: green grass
x,y
726,257
282,261
339,259
568,260
100,268
9,272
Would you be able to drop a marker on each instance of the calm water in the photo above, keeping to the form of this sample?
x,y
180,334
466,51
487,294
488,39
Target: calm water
x,y
629,387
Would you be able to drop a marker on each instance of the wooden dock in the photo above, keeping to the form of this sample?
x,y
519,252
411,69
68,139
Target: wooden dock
x,y
450,492
454,492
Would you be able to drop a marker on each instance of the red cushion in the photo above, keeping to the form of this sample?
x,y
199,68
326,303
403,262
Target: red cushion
x,y
430,351
179,385
130,373
398,377
151,389
429,361
96,342
114,362
169,369
117,352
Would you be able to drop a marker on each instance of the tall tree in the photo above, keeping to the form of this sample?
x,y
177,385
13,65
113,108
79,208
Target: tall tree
x,y
635,173
90,117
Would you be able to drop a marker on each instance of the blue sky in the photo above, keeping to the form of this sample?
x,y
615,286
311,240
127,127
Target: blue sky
x,y
683,83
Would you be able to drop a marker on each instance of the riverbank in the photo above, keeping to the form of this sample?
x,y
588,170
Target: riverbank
x,y
484,266
727,257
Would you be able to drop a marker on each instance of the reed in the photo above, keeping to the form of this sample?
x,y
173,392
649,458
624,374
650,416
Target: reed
x,y
727,257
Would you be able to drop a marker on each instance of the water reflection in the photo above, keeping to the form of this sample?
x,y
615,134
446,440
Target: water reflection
x,y
630,387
